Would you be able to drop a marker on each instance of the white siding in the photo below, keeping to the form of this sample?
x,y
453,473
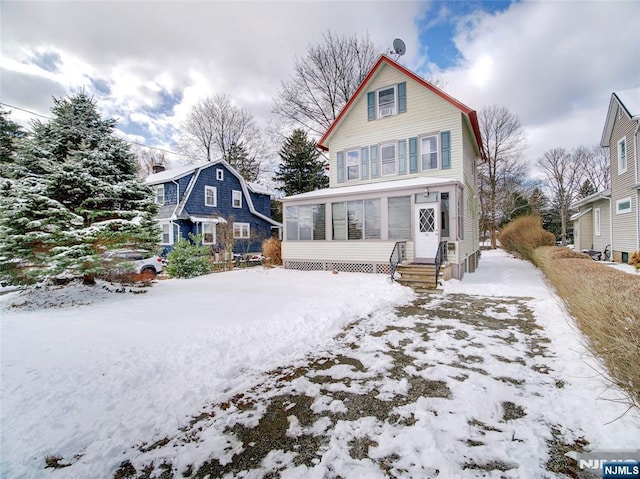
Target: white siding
x,y
426,113
348,251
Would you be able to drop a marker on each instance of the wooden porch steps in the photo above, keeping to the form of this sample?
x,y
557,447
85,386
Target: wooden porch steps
x,y
420,276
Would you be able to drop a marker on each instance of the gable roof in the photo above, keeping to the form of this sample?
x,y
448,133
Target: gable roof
x,y
629,100
182,171
385,60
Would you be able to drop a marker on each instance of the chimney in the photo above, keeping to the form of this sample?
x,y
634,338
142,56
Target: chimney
x,y
158,168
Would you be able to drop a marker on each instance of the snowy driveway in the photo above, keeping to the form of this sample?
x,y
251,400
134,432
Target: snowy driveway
x,y
487,380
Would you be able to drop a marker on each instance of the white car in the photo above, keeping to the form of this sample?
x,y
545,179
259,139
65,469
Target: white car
x,y
140,261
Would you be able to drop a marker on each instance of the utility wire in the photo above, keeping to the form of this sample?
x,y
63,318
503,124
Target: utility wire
x,y
123,139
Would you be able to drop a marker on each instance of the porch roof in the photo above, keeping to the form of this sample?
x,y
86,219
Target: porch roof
x,y
580,214
421,182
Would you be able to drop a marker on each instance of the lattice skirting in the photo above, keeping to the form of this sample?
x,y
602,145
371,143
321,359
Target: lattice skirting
x,y
338,266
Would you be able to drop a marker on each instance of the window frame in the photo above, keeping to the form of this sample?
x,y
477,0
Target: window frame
x,y
394,108
213,225
395,159
219,174
316,223
240,227
437,152
236,196
357,164
157,200
169,227
596,221
213,189
361,221
621,201
622,158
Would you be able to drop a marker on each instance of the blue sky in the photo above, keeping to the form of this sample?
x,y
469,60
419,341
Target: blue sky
x,y
148,63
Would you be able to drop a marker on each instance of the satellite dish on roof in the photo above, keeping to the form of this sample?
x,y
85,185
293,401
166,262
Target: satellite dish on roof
x,y
398,47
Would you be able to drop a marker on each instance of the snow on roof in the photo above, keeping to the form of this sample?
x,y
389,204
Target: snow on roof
x,y
630,99
260,189
172,174
600,195
370,187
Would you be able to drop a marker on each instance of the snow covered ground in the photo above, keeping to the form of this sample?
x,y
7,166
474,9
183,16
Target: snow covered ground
x,y
94,381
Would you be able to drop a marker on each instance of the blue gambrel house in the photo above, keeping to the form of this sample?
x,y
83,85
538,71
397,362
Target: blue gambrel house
x,y
197,198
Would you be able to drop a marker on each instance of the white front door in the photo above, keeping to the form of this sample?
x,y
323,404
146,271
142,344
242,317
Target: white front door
x,y
427,229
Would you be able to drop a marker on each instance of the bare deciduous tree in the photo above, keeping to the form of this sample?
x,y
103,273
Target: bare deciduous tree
x,y
563,172
595,165
324,80
504,143
146,159
215,125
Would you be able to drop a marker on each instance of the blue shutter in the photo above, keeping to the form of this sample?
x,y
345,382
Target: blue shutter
x,y
374,161
445,146
371,105
402,157
340,172
413,155
365,162
402,97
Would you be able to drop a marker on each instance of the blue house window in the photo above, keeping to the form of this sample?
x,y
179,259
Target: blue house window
x,y
160,195
236,199
241,230
165,237
208,233
219,174
210,196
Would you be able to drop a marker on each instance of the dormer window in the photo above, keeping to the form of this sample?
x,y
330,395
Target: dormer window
x,y
387,102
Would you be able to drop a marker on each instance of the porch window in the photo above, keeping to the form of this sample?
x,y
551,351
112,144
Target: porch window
x,y
305,222
353,164
596,221
160,195
210,196
356,220
389,162
444,213
622,156
429,152
241,230
399,213
236,199
386,101
208,233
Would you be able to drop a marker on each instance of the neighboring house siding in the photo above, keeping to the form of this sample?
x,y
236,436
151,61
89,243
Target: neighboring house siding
x,y
585,232
262,203
426,113
604,240
624,225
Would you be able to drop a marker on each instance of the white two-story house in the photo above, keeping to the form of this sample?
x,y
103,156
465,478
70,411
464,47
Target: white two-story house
x,y
402,161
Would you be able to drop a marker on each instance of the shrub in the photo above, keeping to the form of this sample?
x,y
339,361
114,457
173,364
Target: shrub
x,y
272,252
604,302
634,260
523,235
189,258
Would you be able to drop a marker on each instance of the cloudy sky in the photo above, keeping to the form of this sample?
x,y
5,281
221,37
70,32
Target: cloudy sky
x,y
553,63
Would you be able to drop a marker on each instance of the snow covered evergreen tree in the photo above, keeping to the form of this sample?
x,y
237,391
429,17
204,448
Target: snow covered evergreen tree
x,y
73,195
300,170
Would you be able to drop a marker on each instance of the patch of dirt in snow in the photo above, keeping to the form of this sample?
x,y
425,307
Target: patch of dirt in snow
x,y
442,389
73,294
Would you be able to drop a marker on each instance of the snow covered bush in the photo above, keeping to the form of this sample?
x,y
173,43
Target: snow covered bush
x,y
525,234
189,258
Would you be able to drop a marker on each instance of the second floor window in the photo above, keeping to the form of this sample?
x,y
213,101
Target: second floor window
x,y
429,152
622,156
388,157
160,195
210,196
241,230
236,199
353,164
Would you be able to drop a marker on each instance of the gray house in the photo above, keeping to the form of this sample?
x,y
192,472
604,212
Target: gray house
x,y
612,217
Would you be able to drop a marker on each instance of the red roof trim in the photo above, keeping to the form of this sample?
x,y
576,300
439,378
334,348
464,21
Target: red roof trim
x,y
385,59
